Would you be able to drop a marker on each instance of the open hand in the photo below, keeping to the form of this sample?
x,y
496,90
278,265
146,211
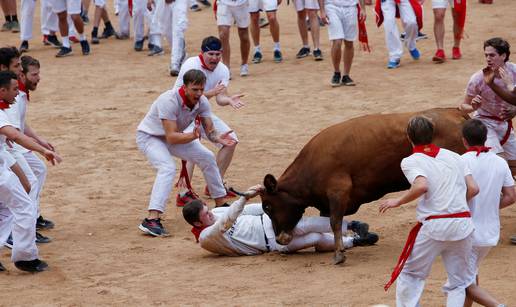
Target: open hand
x,y
52,157
226,140
253,191
388,204
235,101
476,102
489,75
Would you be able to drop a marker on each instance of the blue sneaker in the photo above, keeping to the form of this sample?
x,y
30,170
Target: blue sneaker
x,y
415,54
393,64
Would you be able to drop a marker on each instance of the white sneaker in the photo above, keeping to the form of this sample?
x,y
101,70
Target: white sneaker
x,y
244,70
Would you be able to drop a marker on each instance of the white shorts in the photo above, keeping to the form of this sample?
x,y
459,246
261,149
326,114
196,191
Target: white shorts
x,y
478,253
227,15
264,5
218,124
496,130
72,7
306,5
441,4
343,22
100,3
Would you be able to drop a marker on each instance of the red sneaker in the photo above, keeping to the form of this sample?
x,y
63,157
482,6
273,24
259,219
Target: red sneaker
x,y
456,54
182,200
74,39
229,194
439,56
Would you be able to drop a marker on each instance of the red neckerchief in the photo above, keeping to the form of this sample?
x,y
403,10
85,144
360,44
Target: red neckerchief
x,y
197,232
4,105
429,150
203,64
478,149
23,88
183,96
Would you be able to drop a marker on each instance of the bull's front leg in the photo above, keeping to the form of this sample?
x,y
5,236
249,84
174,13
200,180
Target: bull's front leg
x,y
339,189
336,226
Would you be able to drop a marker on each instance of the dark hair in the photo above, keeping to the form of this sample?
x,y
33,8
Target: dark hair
x,y
420,130
191,211
27,61
194,76
6,77
501,45
474,132
211,43
7,54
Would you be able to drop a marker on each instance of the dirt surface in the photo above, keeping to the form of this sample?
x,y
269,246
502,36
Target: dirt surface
x,y
89,107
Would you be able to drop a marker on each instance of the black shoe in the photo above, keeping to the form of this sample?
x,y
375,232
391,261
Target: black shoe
x,y
153,227
257,58
53,41
195,8
138,45
64,51
9,242
318,54
370,239
303,52
85,47
277,56
34,266
108,32
347,81
335,80
206,3
155,50
2,268
361,229
41,239
24,47
42,223
421,35
95,40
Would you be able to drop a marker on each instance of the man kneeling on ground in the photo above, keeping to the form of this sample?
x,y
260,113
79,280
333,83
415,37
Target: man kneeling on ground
x,y
239,230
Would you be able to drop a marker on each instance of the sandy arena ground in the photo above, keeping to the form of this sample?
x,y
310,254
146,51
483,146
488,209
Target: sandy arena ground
x,y
89,107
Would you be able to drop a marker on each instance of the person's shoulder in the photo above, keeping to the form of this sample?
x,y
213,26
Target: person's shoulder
x,y
511,66
192,61
222,69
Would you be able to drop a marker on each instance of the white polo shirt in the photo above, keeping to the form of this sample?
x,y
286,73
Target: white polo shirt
x,y
219,74
491,173
170,105
17,113
446,193
5,158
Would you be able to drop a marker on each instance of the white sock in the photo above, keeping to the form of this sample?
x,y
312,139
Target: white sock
x,y
306,46
82,37
258,48
66,41
276,46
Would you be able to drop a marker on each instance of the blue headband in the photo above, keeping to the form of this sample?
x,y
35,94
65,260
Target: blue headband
x,y
212,46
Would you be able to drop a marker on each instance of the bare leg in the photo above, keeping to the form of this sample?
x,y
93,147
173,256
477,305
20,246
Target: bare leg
x,y
274,26
77,22
336,47
63,23
314,27
105,16
224,38
224,157
85,6
11,7
480,296
349,52
255,28
245,44
456,34
98,14
301,24
439,27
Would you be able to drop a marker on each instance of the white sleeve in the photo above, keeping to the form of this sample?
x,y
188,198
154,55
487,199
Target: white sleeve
x,y
411,169
508,180
229,217
166,108
253,209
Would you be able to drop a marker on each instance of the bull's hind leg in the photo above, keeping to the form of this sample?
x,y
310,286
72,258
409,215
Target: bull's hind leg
x,y
338,198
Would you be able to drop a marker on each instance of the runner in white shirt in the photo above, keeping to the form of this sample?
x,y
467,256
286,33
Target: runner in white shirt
x,y
228,13
161,136
442,182
493,177
22,223
239,230
217,81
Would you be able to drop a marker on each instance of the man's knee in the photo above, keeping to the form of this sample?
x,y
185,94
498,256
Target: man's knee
x,y
439,15
243,33
205,159
271,16
224,33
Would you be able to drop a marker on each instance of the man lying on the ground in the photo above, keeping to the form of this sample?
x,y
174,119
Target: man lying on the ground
x,y
236,231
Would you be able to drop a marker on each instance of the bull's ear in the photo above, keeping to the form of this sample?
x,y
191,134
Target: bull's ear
x,y
270,183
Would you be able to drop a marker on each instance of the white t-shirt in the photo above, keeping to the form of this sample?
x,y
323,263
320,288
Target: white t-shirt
x,y
5,158
491,173
17,113
341,2
234,2
169,105
219,74
237,231
446,193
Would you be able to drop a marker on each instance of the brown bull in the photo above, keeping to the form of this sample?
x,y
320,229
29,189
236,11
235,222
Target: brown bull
x,y
347,165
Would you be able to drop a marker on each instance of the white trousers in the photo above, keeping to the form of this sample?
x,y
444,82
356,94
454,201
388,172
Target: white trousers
x,y
39,169
392,35
140,16
171,21
160,154
49,20
17,216
27,16
27,170
411,281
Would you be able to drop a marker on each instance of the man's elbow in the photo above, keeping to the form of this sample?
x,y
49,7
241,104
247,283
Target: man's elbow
x,y
473,190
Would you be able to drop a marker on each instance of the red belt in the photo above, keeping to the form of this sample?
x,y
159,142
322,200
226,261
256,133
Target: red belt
x,y
412,239
509,127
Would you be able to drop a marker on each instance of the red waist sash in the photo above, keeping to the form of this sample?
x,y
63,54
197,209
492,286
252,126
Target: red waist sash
x,y
509,127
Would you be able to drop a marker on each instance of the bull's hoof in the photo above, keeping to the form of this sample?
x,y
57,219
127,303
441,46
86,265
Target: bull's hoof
x,y
339,258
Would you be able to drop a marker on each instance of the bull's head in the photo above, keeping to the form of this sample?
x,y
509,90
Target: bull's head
x,y
284,210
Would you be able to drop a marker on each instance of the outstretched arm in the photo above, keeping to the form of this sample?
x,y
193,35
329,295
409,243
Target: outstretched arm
x,y
418,188
15,135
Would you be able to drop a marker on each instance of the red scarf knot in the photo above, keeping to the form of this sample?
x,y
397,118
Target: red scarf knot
x,y
411,240
203,64
4,105
429,150
478,149
197,232
23,88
